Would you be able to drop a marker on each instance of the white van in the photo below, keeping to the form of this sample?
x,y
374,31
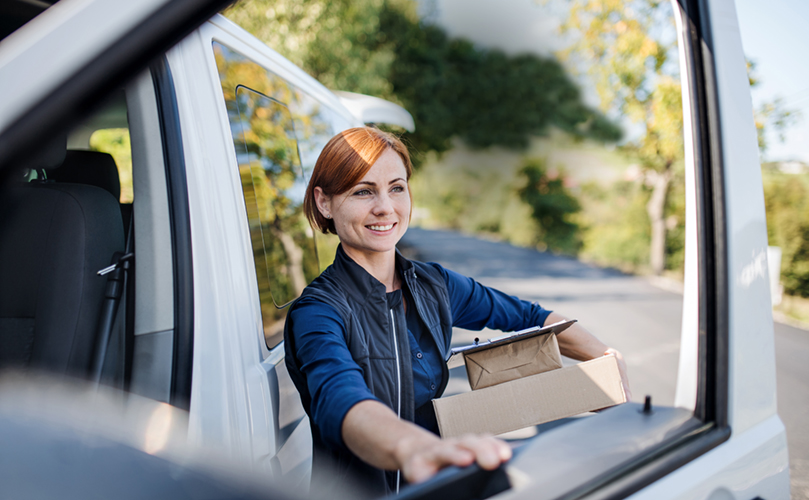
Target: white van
x,y
223,134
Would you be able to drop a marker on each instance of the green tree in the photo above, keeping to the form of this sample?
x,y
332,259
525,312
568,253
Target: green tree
x,y
628,61
115,141
786,199
769,115
552,206
452,88
339,42
484,97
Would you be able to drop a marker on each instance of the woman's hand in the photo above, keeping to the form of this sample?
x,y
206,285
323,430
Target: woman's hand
x,y
420,460
375,434
621,370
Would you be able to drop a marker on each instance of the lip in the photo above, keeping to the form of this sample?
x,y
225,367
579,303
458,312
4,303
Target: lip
x,y
371,227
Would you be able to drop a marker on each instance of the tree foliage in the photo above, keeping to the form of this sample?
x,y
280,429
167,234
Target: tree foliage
x,y
485,97
786,199
339,42
616,225
552,206
115,142
451,87
769,115
627,58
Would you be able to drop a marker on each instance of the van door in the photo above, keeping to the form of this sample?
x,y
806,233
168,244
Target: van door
x,y
723,437
252,128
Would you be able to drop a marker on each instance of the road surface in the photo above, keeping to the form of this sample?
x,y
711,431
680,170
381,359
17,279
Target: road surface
x,y
626,312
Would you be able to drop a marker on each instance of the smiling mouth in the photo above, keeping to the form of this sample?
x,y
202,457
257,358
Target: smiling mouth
x,y
387,227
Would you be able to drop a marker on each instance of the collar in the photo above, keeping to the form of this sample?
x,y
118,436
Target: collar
x,y
364,284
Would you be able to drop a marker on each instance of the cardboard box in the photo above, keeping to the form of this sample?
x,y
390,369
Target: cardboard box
x,y
532,400
513,360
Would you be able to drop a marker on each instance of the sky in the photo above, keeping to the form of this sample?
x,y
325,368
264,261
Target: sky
x,y
775,34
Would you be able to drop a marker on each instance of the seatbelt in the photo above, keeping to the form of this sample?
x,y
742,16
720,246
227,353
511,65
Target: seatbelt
x,y
116,272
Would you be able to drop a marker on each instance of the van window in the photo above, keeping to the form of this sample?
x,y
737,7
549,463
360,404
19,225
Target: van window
x,y
116,142
273,177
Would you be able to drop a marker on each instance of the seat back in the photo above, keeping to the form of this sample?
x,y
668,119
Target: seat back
x,y
53,239
88,167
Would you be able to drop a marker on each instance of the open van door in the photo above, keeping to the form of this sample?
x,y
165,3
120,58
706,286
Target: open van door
x,y
723,438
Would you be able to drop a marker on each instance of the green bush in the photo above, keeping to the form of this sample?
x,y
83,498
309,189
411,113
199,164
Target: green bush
x,y
786,198
473,198
675,228
553,207
617,230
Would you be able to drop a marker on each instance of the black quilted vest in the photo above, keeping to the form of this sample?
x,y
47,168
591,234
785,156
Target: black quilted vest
x,y
361,302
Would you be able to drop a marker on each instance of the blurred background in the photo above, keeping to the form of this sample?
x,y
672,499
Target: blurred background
x,y
554,125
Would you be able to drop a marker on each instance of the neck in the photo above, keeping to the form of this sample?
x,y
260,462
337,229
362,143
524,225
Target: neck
x,y
381,266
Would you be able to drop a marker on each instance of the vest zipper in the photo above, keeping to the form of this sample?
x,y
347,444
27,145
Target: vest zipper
x,y
398,383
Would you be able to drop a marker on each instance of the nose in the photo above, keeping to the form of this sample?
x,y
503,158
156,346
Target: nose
x,y
384,205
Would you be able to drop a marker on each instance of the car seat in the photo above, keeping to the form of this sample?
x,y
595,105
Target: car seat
x,y
54,237
95,169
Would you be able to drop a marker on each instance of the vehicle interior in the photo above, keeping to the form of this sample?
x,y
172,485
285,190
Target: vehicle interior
x,y
72,207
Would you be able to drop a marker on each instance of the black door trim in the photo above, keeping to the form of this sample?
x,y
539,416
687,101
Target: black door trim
x,y
712,394
180,220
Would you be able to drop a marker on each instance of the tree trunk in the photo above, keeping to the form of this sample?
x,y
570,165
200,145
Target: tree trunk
x,y
294,262
656,209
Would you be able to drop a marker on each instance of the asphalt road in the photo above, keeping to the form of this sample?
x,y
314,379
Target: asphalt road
x,y
626,312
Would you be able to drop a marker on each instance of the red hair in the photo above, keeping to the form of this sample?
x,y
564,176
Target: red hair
x,y
344,161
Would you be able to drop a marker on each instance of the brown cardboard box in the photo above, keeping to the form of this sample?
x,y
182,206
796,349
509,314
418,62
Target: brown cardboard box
x,y
513,360
532,400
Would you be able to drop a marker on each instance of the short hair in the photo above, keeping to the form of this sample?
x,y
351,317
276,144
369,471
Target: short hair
x,y
344,161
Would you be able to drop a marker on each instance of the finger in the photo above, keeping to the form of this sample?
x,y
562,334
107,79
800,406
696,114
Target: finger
x,y
425,464
489,452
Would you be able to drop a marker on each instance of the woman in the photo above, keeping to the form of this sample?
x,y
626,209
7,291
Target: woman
x,y
367,340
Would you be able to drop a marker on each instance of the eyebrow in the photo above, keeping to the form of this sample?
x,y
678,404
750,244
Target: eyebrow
x,y
369,183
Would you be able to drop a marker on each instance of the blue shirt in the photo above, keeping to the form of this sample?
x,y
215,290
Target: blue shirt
x,y
335,381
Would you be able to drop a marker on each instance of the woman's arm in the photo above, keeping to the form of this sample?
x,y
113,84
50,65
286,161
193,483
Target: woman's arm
x,y
579,344
373,432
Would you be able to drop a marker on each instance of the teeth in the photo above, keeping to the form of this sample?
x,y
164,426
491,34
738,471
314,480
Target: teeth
x,y
381,228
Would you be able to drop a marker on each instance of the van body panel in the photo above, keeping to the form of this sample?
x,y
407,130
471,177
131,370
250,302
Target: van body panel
x,y
752,349
239,398
753,464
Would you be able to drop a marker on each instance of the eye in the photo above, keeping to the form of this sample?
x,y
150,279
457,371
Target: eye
x,y
362,192
398,189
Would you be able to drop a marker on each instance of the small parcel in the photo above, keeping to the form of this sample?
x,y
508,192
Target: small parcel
x,y
518,380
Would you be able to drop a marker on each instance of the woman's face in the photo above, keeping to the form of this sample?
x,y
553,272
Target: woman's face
x,y
372,216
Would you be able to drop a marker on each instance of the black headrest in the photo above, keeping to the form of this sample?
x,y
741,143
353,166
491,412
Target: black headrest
x,y
50,154
89,167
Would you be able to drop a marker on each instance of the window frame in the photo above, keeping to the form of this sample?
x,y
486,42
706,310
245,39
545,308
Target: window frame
x,y
181,246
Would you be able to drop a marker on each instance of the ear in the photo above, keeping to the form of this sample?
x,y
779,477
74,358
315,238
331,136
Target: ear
x,y
323,203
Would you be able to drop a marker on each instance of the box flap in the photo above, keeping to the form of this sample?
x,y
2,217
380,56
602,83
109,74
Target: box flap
x,y
512,360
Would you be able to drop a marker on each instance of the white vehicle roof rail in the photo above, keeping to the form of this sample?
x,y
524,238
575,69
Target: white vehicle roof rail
x,y
371,109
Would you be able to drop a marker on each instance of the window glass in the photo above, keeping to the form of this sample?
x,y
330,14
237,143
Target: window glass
x,y
278,132
115,141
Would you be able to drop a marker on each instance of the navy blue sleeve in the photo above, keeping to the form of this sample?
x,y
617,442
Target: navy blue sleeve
x,y
475,306
333,378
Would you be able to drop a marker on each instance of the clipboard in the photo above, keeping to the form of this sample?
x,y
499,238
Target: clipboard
x,y
456,357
